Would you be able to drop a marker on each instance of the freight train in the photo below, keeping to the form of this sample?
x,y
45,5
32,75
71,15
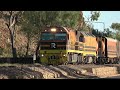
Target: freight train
x,y
62,45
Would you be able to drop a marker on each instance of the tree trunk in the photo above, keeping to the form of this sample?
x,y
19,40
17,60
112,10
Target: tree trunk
x,y
38,45
14,54
28,36
37,49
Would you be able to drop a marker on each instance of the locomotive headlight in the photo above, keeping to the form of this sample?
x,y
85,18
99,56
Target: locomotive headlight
x,y
53,29
42,55
64,55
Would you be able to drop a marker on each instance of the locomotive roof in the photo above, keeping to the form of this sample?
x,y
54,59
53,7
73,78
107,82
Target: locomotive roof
x,y
111,39
68,29
87,34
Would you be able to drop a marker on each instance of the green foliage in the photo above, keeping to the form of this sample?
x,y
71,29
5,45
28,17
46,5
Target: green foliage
x,y
1,50
96,32
95,15
105,33
69,18
108,33
88,26
63,18
32,22
115,26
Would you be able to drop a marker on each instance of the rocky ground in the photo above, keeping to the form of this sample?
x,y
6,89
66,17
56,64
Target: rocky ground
x,y
38,71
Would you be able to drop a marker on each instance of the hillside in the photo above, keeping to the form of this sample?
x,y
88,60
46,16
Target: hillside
x,y
20,42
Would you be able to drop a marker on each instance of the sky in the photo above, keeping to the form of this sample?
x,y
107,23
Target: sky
x,y
106,17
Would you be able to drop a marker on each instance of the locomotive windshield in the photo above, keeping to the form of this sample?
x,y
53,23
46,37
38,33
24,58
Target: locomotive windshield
x,y
60,36
47,36
53,36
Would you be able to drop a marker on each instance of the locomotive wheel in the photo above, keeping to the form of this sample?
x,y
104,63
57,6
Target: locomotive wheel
x,y
103,60
95,60
66,63
112,61
69,58
100,61
79,59
90,60
85,60
106,61
118,61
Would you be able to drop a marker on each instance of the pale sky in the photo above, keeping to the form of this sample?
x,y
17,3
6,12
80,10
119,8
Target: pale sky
x,y
108,17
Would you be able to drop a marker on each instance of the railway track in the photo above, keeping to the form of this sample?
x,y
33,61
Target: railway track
x,y
77,72
68,72
38,71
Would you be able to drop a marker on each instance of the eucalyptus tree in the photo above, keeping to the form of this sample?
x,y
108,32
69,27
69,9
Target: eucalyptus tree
x,y
11,18
33,22
116,27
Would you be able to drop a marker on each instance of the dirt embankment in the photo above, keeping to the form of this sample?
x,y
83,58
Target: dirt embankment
x,y
17,71
38,71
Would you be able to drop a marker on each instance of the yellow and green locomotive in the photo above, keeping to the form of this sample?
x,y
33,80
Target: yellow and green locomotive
x,y
59,45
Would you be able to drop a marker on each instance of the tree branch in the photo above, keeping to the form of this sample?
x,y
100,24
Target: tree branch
x,y
13,21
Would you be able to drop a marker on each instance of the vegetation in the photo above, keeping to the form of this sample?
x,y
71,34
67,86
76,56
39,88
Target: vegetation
x,y
116,27
105,33
21,29
10,18
88,25
30,23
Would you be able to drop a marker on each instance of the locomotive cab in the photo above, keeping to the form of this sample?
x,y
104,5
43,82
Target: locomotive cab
x,y
53,45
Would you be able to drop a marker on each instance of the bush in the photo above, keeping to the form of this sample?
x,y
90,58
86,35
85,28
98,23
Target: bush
x,y
1,50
